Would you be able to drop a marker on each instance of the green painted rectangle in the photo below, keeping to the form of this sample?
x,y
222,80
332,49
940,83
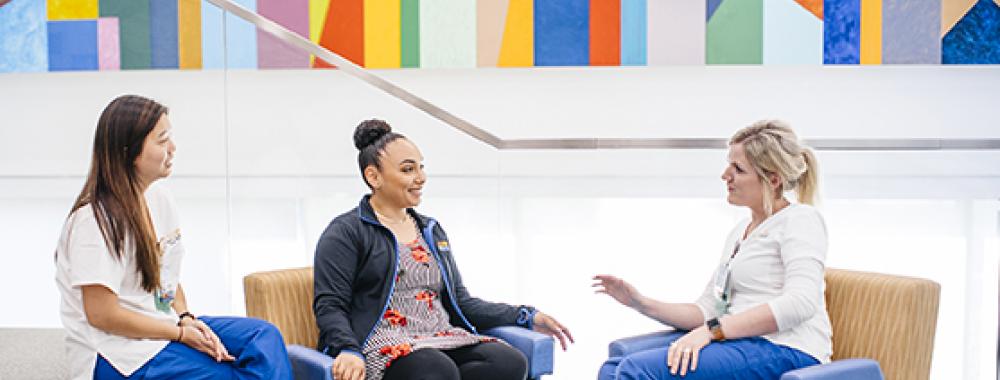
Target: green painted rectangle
x,y
133,31
409,29
735,33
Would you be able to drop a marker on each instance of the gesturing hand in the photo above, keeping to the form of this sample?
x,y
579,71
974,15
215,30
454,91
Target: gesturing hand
x,y
621,291
348,366
683,352
547,325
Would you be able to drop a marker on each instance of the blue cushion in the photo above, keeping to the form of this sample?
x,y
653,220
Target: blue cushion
x,y
308,363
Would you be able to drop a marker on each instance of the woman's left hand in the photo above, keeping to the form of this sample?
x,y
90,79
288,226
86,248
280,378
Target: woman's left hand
x,y
547,325
683,352
221,354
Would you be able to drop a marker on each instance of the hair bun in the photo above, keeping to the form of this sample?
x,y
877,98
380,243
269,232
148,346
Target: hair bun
x,y
370,131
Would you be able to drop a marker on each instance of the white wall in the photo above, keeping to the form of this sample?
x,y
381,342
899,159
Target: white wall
x,y
265,161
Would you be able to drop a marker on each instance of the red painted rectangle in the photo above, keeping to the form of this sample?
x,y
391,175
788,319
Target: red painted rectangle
x,y
605,32
344,31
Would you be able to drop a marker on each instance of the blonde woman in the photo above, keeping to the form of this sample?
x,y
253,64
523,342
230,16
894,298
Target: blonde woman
x,y
762,312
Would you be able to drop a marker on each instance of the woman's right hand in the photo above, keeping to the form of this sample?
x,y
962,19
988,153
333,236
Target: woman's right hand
x,y
347,366
618,289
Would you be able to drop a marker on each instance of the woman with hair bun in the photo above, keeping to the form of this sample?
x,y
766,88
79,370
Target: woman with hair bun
x,y
763,313
389,299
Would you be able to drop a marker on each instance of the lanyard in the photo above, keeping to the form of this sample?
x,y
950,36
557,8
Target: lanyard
x,y
723,286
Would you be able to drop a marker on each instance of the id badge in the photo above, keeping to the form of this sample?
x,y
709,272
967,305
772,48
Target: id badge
x,y
721,288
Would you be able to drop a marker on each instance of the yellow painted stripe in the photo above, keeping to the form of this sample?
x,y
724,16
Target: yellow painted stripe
x,y
518,46
189,33
871,32
71,9
382,19
317,18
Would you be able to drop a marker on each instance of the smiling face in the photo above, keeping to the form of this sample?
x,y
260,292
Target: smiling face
x,y
400,180
742,182
156,159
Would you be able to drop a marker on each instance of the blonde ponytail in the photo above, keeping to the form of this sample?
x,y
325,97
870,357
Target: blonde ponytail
x,y
808,183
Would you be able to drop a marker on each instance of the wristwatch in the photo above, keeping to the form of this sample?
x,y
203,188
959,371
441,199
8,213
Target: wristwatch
x,y
716,329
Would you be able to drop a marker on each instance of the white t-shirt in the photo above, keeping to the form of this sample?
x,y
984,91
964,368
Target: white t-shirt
x,y
83,258
781,263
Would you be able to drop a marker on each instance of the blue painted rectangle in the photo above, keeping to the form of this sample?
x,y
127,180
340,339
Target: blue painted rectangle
x,y
73,45
634,32
842,31
212,42
163,34
241,39
975,39
562,32
23,37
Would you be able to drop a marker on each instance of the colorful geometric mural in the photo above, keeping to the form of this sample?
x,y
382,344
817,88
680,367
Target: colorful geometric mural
x,y
60,35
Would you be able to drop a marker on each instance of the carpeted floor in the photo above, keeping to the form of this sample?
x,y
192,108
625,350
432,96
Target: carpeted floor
x,y
30,354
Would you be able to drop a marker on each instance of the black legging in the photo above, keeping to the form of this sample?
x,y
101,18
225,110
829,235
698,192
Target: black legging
x,y
483,361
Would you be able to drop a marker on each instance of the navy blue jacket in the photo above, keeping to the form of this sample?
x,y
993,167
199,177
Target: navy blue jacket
x,y
355,266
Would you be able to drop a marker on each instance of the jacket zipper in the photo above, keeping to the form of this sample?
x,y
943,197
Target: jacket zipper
x,y
392,287
428,237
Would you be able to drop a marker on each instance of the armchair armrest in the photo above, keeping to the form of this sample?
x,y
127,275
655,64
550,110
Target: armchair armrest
x,y
537,347
307,363
633,344
860,369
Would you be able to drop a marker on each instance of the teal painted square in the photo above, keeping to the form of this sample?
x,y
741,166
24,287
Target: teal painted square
x,y
23,39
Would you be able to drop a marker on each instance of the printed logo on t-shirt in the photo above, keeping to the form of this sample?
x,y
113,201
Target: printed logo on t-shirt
x,y
170,240
164,297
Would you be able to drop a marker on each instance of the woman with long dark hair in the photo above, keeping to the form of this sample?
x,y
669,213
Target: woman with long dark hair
x,y
118,263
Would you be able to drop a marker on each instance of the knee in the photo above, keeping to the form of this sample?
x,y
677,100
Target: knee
x,y
518,365
510,364
262,327
607,371
632,367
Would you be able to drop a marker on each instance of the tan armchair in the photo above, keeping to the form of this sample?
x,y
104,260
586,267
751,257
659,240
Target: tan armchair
x,y
879,321
284,298
890,319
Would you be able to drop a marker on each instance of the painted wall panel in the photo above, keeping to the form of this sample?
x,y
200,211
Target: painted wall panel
x,y
562,32
676,32
23,37
448,34
633,32
792,34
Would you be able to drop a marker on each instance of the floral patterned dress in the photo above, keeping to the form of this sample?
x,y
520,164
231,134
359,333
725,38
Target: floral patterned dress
x,y
415,317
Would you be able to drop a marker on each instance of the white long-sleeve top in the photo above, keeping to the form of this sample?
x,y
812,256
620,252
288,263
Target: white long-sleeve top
x,y
780,263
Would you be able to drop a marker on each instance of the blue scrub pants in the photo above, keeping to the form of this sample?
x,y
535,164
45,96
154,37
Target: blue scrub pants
x,y
257,346
748,358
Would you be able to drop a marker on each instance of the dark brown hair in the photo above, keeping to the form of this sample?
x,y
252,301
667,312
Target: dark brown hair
x,y
113,188
371,137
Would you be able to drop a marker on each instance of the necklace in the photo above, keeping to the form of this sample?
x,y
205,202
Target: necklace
x,y
406,218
